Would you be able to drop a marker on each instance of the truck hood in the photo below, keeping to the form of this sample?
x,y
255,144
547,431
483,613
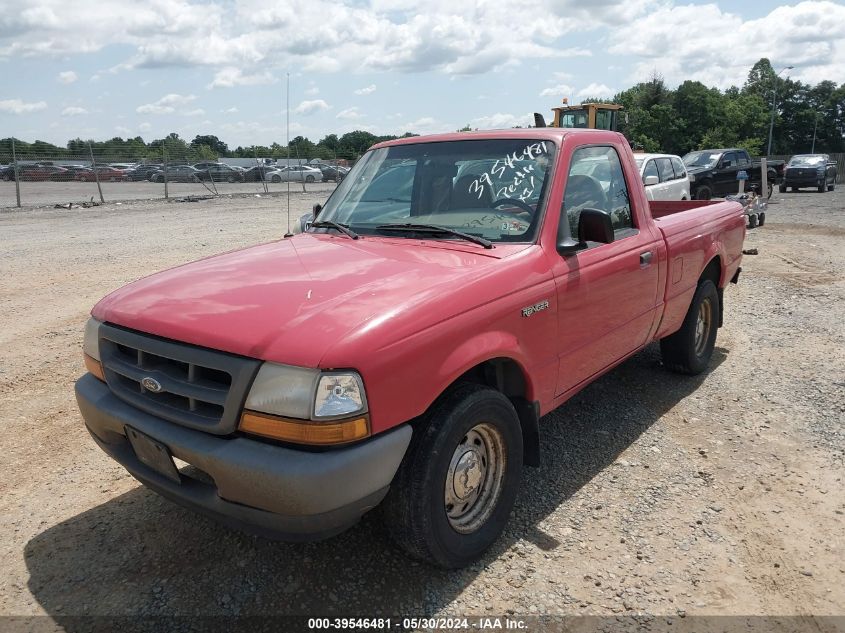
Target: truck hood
x,y
289,301
698,170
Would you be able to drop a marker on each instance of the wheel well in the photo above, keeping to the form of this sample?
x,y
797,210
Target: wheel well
x,y
505,375
713,272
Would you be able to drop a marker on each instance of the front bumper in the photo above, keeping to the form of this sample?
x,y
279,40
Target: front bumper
x,y
270,490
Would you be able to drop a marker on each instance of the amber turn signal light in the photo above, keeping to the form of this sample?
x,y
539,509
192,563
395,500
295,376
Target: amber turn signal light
x,y
304,431
94,366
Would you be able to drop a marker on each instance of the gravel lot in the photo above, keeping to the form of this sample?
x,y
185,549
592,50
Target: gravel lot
x,y
659,494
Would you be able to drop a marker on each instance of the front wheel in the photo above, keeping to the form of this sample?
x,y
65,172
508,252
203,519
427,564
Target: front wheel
x,y
309,178
276,179
782,188
703,192
453,493
688,350
831,186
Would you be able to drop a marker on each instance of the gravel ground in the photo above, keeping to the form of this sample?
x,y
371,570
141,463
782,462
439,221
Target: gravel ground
x,y
659,494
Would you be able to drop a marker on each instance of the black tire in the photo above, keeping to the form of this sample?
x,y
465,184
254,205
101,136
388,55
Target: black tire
x,y
794,189
752,221
770,185
831,186
761,219
7,177
415,510
309,178
276,179
230,179
821,188
685,351
782,188
703,192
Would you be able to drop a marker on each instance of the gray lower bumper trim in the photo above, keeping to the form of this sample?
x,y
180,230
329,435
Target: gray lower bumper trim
x,y
273,490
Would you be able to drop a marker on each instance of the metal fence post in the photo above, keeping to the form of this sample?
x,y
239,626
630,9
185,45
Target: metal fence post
x,y
15,173
96,174
164,159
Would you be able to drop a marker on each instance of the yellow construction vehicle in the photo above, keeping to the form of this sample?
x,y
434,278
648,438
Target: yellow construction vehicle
x,y
593,116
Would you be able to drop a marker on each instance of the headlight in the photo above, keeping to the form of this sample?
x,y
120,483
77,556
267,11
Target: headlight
x,y
283,390
91,348
306,406
339,395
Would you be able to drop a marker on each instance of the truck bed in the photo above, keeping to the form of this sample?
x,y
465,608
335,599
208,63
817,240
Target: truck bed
x,y
695,231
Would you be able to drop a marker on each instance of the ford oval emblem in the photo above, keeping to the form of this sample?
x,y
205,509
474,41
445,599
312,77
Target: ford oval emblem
x,y
151,384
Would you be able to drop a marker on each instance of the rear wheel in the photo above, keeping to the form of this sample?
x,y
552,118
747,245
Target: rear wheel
x,y
752,221
230,179
309,178
703,192
821,188
455,489
688,350
770,185
761,219
276,179
831,186
782,188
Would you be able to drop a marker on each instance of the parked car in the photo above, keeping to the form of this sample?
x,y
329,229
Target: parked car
x,y
142,172
176,173
809,170
218,172
7,172
123,166
333,173
71,172
258,173
713,172
40,172
403,350
664,176
299,173
103,173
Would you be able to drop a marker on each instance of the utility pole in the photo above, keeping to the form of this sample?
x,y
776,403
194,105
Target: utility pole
x,y
774,107
15,173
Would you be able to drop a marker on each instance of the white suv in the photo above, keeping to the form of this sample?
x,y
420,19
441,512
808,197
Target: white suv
x,y
664,176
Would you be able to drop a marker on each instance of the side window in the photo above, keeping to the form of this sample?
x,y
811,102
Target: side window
x,y
742,159
650,170
729,160
596,180
664,166
678,164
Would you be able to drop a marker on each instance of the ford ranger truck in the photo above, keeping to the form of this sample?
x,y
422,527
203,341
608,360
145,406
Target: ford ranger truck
x,y
401,351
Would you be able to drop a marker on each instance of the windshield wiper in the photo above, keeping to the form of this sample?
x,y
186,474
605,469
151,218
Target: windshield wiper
x,y
434,228
328,224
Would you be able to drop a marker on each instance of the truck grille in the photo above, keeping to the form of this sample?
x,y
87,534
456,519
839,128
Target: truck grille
x,y
192,386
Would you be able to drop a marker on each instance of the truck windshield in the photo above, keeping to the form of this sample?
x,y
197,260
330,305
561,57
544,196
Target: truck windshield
x,y
702,159
494,189
808,160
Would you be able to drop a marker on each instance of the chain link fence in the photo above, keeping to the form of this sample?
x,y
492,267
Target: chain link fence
x,y
88,178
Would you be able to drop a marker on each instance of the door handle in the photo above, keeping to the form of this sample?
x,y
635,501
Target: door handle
x,y
645,258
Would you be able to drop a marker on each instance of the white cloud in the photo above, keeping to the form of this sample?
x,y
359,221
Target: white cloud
x,y
349,114
231,110
67,77
313,91
560,90
231,76
366,91
123,131
427,125
717,47
145,127
166,105
310,107
74,111
16,106
597,90
196,112
501,121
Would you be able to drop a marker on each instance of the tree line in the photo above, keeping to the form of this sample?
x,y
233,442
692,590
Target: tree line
x,y
690,117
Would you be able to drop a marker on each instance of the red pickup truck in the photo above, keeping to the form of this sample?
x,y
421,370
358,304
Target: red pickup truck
x,y
402,350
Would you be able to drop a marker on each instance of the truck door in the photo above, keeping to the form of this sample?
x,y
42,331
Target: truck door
x,y
607,293
724,176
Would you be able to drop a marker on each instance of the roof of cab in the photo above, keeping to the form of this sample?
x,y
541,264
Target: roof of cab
x,y
540,134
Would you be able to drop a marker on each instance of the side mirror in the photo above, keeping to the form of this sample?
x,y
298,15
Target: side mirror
x,y
317,208
725,163
650,180
595,225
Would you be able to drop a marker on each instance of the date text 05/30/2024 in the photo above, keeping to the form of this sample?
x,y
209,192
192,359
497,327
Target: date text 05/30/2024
x,y
430,624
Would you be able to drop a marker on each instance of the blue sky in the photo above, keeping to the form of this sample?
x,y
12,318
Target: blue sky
x,y
103,68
